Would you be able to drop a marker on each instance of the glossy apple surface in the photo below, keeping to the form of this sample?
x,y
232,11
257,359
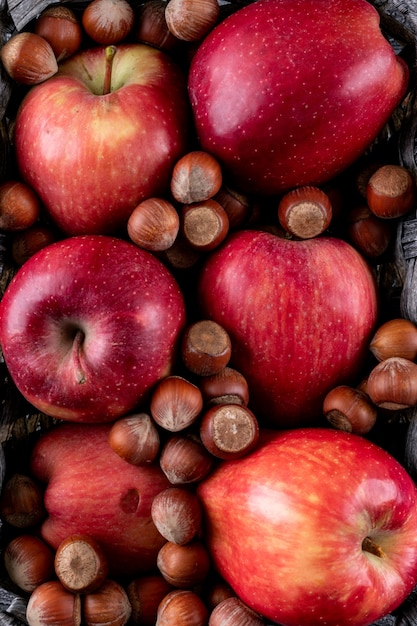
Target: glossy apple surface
x,y
290,528
90,490
88,325
92,157
300,315
290,92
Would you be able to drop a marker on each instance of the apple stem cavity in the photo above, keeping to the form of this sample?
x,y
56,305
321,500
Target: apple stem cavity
x,y
110,52
369,545
76,349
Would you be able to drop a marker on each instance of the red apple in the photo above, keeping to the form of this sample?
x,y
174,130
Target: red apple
x,y
90,490
88,325
300,315
317,526
93,151
290,92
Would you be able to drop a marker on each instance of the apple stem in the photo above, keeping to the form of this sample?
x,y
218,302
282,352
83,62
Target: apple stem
x,y
369,545
76,349
110,52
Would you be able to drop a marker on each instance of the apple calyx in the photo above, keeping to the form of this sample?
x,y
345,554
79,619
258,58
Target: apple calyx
x,y
369,545
110,52
76,349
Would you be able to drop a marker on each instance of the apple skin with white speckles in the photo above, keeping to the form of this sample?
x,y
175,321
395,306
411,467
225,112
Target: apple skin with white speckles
x,y
88,325
92,157
90,490
285,527
291,92
300,315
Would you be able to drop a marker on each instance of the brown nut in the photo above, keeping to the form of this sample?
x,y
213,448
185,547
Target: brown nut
x,y
396,337
51,604
305,212
182,607
28,58
196,177
175,403
191,20
349,409
26,243
229,431
154,224
29,562
206,348
145,594
152,27
392,384
391,192
185,460
204,224
368,233
237,205
19,206
184,566
108,605
135,438
225,387
21,502
60,27
108,21
81,564
177,514
233,611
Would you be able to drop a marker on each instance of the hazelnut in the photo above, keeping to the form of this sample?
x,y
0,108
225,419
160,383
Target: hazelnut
x,y
21,502
185,460
152,27
28,58
349,409
80,564
60,27
51,604
19,206
175,403
233,611
135,438
154,224
206,348
305,212
392,384
177,514
145,594
191,20
182,607
196,177
108,605
29,562
368,233
204,224
184,566
229,431
396,337
108,21
228,386
391,192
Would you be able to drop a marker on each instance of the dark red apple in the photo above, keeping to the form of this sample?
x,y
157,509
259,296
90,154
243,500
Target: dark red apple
x,y
290,92
316,526
88,325
90,490
103,135
300,315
